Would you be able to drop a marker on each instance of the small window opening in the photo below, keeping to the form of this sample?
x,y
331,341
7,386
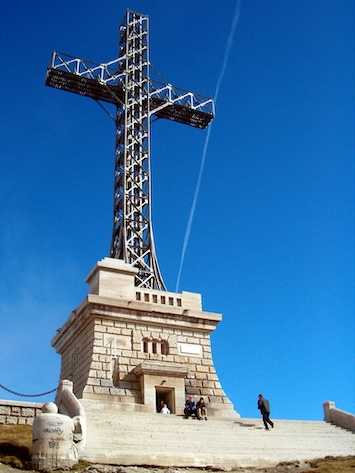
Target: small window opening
x,y
164,348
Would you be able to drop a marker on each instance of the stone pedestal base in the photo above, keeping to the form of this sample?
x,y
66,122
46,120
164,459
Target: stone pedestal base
x,y
127,344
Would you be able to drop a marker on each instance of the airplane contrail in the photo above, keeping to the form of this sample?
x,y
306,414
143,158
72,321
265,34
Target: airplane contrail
x,y
227,51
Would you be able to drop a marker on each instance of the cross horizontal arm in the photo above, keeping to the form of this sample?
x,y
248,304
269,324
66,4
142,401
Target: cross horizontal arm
x,y
106,82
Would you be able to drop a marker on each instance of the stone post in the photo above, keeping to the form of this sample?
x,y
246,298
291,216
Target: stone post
x,y
327,406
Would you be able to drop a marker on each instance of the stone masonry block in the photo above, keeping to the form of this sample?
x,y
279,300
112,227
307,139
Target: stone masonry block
x,y
2,419
201,375
22,420
206,391
212,377
124,361
117,391
108,323
101,374
208,384
104,358
4,410
126,331
11,420
93,382
203,369
101,390
114,330
118,323
192,391
27,412
15,411
100,328
106,382
100,350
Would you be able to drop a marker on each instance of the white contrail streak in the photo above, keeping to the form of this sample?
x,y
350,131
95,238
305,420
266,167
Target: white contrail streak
x,y
207,140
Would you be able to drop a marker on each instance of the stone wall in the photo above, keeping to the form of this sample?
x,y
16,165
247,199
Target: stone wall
x,y
15,412
111,368
340,418
76,359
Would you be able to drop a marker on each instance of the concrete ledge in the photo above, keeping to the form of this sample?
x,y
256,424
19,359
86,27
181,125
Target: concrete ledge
x,y
162,369
340,418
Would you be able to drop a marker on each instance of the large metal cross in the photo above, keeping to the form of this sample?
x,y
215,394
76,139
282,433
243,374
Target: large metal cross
x,y
126,83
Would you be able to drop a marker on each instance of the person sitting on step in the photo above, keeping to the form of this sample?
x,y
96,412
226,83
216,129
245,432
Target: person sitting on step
x,y
165,410
190,407
201,409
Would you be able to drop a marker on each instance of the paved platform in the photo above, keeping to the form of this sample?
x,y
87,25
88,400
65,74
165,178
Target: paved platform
x,y
117,435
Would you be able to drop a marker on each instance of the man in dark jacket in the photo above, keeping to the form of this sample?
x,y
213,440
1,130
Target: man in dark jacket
x,y
264,408
190,407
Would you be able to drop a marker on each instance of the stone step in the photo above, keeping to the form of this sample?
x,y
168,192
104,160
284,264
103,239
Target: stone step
x,y
131,438
187,425
274,440
257,433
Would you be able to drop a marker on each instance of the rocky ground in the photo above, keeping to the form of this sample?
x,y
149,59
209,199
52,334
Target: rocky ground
x,y
15,455
326,465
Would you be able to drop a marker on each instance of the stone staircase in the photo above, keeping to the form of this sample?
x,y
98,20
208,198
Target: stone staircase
x,y
119,435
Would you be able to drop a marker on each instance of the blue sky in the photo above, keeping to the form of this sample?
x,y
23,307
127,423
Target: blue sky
x,y
272,243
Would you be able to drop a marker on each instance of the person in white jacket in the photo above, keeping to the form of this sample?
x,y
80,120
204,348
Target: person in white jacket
x,y
165,410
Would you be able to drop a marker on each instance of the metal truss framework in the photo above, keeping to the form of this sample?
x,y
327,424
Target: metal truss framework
x,y
126,83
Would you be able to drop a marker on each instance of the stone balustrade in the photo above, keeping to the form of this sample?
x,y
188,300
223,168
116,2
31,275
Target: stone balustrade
x,y
336,416
18,412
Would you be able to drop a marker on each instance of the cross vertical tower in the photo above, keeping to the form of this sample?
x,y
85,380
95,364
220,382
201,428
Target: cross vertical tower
x,y
132,238
126,83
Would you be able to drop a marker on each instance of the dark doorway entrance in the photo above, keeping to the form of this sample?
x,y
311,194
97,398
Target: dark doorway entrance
x,y
165,396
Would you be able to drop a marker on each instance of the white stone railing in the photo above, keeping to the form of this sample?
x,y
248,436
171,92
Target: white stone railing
x,y
340,418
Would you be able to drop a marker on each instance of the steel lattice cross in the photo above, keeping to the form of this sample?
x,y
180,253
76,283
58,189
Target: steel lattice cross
x,y
126,83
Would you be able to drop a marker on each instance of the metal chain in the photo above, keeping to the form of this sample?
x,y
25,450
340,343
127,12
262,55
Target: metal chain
x,y
27,395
